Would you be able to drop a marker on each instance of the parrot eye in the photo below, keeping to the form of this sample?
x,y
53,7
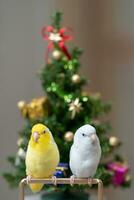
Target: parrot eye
x,y
44,131
83,134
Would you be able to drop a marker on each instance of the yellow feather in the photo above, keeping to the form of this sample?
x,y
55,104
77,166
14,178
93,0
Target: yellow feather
x,y
42,156
36,187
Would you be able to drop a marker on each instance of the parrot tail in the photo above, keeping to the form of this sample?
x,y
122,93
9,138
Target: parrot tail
x,y
36,187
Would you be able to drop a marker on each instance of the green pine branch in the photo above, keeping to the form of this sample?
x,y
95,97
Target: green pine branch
x,y
56,20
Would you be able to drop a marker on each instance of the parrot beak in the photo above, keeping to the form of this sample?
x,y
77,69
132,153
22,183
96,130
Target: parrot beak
x,y
93,138
36,136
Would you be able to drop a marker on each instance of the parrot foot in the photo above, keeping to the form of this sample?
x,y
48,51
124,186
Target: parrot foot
x,y
72,179
28,179
54,180
90,180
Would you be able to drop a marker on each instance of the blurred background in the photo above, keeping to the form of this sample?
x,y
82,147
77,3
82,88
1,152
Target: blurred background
x,y
104,29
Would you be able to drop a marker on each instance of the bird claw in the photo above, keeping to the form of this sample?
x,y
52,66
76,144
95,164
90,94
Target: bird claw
x,y
28,179
54,180
72,180
90,180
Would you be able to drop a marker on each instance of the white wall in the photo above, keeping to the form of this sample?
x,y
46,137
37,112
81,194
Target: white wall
x,y
98,27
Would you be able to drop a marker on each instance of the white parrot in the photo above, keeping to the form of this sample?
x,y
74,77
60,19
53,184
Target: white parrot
x,y
85,153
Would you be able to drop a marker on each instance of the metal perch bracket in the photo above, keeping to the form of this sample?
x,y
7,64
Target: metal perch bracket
x,y
77,181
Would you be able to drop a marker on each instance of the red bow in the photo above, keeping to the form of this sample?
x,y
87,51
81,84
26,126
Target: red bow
x,y
59,37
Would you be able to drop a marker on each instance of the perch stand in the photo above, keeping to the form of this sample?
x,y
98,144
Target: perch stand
x,y
77,181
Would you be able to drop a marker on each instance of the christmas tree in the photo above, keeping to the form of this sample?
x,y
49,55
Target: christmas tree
x,y
64,109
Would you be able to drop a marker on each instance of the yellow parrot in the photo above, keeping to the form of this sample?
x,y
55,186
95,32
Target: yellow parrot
x,y
42,155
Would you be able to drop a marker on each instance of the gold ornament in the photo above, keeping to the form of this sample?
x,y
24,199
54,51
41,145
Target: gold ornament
x,y
127,178
21,104
56,54
114,141
23,108
76,78
75,107
36,109
68,136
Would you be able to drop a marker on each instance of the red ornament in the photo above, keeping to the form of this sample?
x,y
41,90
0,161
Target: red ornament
x,y
56,36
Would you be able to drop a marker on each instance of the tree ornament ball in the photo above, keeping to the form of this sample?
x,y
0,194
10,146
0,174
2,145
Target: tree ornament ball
x,y
21,104
20,141
128,178
76,78
56,54
21,153
114,141
68,136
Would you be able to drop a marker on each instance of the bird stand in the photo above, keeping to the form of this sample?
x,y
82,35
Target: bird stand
x,y
58,181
